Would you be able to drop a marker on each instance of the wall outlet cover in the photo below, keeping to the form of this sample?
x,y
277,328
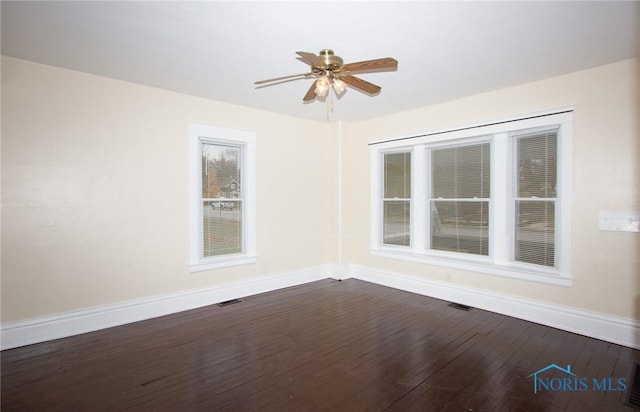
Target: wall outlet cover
x,y
619,221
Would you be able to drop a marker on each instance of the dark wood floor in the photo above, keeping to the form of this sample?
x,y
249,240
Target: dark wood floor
x,y
328,345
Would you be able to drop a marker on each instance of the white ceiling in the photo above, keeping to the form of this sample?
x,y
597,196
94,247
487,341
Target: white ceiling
x,y
217,50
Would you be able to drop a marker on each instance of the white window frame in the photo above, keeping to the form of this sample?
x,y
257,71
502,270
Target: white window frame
x,y
382,199
501,135
245,141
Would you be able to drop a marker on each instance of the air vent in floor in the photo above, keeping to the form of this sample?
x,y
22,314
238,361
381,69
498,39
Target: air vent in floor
x,y
634,390
460,306
229,302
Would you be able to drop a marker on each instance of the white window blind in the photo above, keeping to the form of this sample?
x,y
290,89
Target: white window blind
x,y
396,202
535,198
221,200
459,201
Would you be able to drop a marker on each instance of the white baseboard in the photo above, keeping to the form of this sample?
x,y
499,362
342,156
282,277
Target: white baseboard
x,y
596,325
601,326
42,329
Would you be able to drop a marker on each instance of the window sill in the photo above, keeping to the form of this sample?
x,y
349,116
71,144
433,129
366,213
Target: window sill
x,y
542,275
221,262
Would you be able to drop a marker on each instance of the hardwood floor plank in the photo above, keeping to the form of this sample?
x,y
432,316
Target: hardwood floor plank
x,y
326,345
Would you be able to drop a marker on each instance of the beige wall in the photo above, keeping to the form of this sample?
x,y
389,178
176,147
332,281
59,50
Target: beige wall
x,y
95,191
94,188
606,176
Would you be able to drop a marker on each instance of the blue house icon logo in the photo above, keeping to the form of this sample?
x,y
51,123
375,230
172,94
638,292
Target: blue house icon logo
x,y
570,382
555,384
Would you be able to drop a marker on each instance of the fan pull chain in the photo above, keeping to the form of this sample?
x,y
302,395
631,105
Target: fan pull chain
x,y
329,97
327,104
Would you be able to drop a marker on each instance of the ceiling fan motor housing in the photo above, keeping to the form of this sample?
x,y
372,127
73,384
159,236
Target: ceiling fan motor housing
x,y
331,61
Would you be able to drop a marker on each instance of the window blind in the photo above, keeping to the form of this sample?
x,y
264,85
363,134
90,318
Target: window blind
x,y
459,198
221,200
396,202
535,198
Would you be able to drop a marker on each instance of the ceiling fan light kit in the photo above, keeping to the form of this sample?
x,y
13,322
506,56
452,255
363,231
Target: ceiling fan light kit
x,y
339,86
322,87
330,72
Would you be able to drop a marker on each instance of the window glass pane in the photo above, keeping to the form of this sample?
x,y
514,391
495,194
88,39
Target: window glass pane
x,y
220,171
535,232
537,165
461,172
397,175
221,227
536,179
396,227
460,226
221,213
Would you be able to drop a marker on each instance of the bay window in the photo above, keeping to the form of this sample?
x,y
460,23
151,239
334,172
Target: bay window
x,y
492,198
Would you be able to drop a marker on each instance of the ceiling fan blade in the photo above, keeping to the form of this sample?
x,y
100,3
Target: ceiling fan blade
x,y
311,93
387,63
277,79
360,84
311,59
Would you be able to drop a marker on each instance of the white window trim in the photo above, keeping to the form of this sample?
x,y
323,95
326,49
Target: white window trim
x,y
199,133
501,230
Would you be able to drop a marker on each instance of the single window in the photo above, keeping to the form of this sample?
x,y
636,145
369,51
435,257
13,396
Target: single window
x,y
222,224
460,192
222,213
397,199
535,198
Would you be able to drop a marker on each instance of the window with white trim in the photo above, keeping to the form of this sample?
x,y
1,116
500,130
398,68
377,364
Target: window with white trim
x,y
534,197
222,212
397,198
493,198
459,191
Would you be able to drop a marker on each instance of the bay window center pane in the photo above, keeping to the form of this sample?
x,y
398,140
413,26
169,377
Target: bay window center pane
x,y
461,172
460,192
460,226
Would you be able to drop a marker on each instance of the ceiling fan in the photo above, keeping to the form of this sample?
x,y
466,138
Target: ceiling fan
x,y
330,71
